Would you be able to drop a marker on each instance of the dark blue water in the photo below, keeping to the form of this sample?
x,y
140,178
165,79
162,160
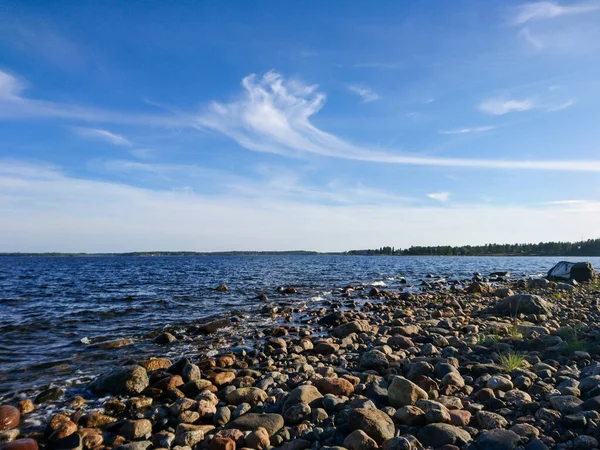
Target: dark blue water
x,y
51,309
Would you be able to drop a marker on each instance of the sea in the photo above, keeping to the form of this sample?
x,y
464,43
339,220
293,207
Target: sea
x,y
53,310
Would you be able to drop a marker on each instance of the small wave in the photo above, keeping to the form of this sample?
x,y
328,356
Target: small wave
x,y
316,298
378,283
85,341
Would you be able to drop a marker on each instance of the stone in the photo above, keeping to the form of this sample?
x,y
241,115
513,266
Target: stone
x,y
410,415
580,272
335,386
357,326
136,429
404,392
9,435
295,414
326,348
26,406
9,417
214,326
223,378
490,421
130,380
435,412
302,394
165,339
497,382
460,418
377,424
188,437
525,430
222,416
522,304
258,439
98,420
374,359
584,442
498,440
251,421
64,430
566,404
156,364
250,395
359,440
21,444
453,379
222,443
49,395
438,434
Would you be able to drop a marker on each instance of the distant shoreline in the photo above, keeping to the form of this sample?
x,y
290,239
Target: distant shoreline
x,y
267,253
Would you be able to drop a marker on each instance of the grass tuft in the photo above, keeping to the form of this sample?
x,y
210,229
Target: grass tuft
x,y
511,361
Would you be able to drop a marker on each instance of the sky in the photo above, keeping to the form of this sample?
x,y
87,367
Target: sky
x,y
280,125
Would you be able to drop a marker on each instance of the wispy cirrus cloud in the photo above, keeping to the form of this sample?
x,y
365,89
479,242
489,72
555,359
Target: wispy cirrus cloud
x,y
544,10
468,130
440,196
366,94
103,135
534,41
500,106
271,115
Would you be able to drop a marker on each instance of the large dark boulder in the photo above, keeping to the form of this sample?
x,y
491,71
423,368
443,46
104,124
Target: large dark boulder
x,y
564,270
521,304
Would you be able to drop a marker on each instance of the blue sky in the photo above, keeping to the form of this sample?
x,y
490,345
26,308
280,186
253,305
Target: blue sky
x,y
297,125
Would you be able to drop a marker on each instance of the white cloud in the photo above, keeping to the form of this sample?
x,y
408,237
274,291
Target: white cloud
x,y
87,215
535,41
365,93
440,196
273,115
549,10
104,135
499,107
468,130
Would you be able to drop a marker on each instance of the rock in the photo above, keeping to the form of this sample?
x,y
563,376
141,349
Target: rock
x,y
584,442
9,435
295,414
214,326
503,292
490,421
410,415
64,430
130,380
335,386
165,338
404,392
188,437
71,442
9,417
438,434
478,287
498,440
156,364
136,429
222,416
140,445
359,440
377,424
564,270
258,439
566,404
357,326
249,395
522,304
26,406
251,421
221,288
21,444
49,395
223,378
435,412
525,430
222,443
497,382
302,394
326,348
460,418
374,359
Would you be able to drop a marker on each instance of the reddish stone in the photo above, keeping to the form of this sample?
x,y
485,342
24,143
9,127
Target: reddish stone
x,y
21,444
9,417
222,443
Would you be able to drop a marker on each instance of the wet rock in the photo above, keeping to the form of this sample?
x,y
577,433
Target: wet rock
x,y
64,430
165,339
156,364
404,392
214,326
377,424
438,434
21,444
251,421
110,345
121,380
9,417
49,395
359,440
221,288
9,435
26,406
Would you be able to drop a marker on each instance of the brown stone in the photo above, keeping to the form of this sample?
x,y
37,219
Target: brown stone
x,y
9,417
65,429
21,444
222,443
335,386
26,406
223,378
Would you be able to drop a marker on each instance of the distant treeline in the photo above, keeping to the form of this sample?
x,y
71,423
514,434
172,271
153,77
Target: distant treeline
x,y
591,247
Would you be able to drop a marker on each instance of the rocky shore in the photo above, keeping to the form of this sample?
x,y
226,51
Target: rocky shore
x,y
492,363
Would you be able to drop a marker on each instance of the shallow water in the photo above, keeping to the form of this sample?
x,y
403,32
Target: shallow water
x,y
51,308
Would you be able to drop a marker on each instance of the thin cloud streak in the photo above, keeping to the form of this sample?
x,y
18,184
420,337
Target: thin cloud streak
x,y
468,130
104,135
273,116
545,10
499,107
439,196
365,93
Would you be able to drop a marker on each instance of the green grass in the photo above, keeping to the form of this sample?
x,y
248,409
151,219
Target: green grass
x,y
511,361
577,345
488,339
514,333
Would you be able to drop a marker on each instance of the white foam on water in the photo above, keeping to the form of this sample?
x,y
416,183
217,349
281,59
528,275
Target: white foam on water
x,y
316,298
85,341
378,283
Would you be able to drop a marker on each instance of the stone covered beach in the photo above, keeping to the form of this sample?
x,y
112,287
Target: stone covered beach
x,y
491,363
